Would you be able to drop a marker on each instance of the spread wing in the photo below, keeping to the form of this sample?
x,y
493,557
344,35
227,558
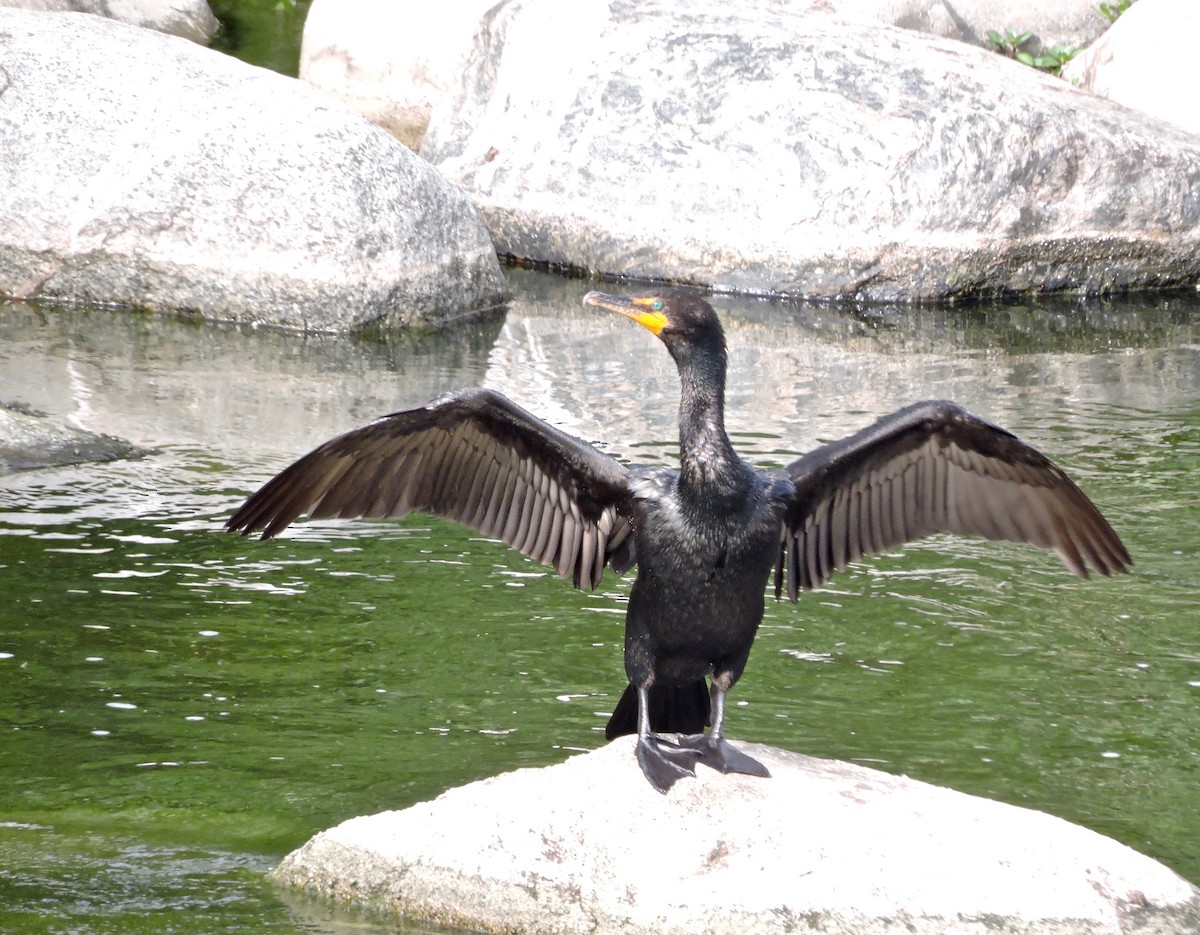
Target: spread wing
x,y
934,467
474,457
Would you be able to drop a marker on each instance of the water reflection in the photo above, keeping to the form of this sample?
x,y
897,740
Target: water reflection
x,y
166,687
814,370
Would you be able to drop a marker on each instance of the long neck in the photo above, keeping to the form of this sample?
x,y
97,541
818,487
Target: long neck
x,y
709,467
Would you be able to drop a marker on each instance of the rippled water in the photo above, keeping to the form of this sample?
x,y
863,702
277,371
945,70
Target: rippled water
x,y
180,707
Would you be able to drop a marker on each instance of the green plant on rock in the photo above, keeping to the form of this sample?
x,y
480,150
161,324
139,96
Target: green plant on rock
x,y
1011,44
1110,11
1008,43
1054,58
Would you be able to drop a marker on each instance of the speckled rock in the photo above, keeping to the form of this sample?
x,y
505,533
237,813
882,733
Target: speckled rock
x,y
755,148
188,19
143,170
588,846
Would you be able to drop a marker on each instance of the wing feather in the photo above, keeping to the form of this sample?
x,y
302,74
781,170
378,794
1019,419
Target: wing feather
x,y
544,524
930,468
474,457
516,506
487,490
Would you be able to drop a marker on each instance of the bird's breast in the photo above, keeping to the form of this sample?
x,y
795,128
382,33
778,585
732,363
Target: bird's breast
x,y
702,554
697,541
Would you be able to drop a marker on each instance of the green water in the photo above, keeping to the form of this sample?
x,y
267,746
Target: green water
x,y
262,32
179,707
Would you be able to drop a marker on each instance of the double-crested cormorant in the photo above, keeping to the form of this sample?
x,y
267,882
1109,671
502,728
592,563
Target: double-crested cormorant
x,y
704,538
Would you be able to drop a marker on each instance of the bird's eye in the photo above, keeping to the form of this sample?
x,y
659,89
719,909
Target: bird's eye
x,y
657,305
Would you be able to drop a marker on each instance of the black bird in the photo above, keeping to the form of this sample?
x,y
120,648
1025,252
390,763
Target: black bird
x,y
705,538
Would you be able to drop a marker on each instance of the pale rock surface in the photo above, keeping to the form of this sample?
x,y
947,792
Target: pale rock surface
x,y
146,171
1072,23
1147,61
188,19
389,61
392,62
758,149
589,846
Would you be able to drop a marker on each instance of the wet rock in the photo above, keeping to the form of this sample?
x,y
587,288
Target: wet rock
x,y
389,61
588,846
188,19
29,440
755,149
146,171
1147,61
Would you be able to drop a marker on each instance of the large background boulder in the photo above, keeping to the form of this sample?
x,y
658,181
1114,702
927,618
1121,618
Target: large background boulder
x,y
393,62
589,846
1070,23
390,61
147,171
1147,61
189,19
753,148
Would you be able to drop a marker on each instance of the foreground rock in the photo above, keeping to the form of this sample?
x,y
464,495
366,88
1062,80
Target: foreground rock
x,y
29,440
1147,61
188,19
754,148
589,846
143,170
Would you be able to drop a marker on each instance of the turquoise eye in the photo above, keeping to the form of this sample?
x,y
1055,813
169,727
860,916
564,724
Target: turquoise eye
x,y
657,305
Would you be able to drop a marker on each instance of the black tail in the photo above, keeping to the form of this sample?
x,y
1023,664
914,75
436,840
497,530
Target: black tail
x,y
681,709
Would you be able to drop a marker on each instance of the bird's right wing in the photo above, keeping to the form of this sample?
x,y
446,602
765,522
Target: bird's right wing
x,y
934,467
474,457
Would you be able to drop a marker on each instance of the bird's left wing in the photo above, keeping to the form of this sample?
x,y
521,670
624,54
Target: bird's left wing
x,y
474,457
934,467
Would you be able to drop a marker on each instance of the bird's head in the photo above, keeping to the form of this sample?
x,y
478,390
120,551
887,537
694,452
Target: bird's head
x,y
677,316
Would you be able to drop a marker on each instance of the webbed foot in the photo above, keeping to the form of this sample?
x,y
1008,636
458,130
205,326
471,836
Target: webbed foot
x,y
663,762
719,754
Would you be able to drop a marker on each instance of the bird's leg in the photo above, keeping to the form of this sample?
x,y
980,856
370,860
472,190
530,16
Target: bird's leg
x,y
662,762
717,752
